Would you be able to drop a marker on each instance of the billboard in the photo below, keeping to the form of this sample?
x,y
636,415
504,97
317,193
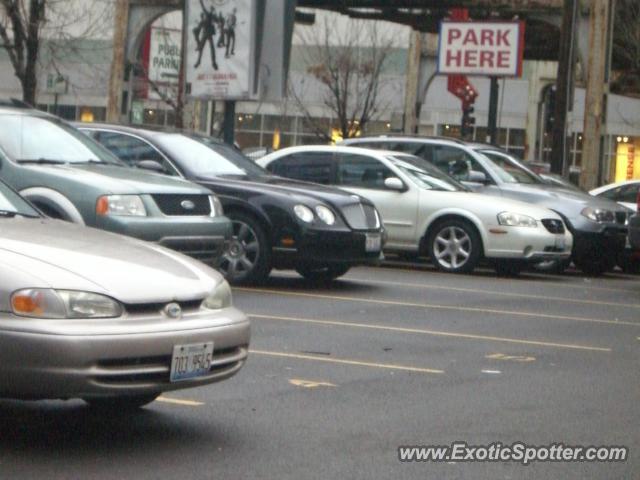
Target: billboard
x,y
481,48
220,48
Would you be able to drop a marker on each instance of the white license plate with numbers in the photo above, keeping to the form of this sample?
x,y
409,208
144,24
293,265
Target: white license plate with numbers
x,y
191,361
373,242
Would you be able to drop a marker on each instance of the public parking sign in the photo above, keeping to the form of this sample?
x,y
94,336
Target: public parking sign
x,y
481,48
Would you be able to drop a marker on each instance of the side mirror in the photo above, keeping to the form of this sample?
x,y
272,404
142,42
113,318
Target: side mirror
x,y
394,183
150,165
477,177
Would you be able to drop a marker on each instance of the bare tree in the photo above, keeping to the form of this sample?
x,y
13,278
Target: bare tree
x,y
626,47
347,64
26,24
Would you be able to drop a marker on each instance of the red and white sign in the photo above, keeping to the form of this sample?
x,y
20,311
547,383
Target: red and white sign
x,y
481,48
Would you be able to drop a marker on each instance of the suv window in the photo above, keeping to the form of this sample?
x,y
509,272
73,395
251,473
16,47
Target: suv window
x,y
361,171
314,167
456,162
133,150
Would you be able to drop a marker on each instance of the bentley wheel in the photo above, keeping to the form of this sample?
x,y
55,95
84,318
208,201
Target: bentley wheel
x,y
323,274
123,402
454,246
246,259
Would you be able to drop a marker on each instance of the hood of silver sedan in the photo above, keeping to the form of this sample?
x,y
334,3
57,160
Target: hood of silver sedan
x,y
41,253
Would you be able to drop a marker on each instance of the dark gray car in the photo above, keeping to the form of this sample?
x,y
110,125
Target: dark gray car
x,y
70,177
598,225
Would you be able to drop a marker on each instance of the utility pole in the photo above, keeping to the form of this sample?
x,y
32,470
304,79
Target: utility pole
x,y
116,77
594,111
564,88
492,123
411,86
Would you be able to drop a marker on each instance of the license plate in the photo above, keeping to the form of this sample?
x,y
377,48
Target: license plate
x,y
561,243
373,242
191,361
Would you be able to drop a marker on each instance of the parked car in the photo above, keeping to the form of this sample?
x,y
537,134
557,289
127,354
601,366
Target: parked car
x,y
556,180
427,212
277,223
107,318
70,177
598,225
625,193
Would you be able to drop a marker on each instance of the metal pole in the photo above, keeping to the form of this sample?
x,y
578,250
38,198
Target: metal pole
x,y
492,124
116,77
228,129
564,88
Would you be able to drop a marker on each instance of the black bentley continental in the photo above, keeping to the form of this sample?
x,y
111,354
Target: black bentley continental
x,y
278,223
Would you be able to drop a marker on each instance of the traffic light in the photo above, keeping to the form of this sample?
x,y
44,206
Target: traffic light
x,y
468,121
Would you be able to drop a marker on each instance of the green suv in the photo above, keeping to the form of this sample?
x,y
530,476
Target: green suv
x,y
69,176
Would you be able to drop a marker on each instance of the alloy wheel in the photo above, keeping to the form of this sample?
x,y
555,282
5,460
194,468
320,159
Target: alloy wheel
x,y
452,247
241,256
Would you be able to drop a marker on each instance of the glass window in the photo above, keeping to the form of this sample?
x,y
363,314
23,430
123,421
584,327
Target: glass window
x,y
516,137
11,203
67,112
204,157
361,171
248,121
424,174
133,150
248,140
509,169
314,167
457,163
45,139
285,124
629,193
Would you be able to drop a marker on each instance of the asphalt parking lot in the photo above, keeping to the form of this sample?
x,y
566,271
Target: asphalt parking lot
x,y
341,375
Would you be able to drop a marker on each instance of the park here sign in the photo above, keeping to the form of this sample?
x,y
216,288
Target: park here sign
x,y
481,48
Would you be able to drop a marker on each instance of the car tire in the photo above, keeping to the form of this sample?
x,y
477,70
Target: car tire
x,y
123,402
247,258
508,268
323,274
454,246
628,263
594,266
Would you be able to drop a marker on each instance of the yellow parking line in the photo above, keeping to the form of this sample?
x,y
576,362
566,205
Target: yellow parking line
x,y
439,307
177,401
431,332
357,363
494,292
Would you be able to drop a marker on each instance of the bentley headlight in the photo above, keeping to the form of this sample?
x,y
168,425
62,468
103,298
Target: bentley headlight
x,y
121,205
325,214
599,215
220,298
304,213
49,303
510,219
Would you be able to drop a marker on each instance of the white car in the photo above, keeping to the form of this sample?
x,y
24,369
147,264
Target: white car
x,y
427,212
625,193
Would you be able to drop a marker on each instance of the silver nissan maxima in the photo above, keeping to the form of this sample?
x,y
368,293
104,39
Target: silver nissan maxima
x,y
107,318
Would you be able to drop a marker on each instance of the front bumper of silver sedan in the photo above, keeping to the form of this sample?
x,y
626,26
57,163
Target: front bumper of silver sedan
x,y
110,357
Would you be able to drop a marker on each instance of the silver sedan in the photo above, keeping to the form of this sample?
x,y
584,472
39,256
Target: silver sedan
x,y
113,320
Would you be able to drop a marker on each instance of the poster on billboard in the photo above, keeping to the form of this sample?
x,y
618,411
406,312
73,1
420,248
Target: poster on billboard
x,y
481,48
220,48
163,62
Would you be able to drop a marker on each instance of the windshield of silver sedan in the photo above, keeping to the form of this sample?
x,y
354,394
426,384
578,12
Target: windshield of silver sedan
x,y
12,204
48,141
426,176
509,170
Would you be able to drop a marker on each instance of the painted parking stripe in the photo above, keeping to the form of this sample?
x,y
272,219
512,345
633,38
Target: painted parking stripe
x,y
468,336
493,292
179,401
532,278
434,306
344,361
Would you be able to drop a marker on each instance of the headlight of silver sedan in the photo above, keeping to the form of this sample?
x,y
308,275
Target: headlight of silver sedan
x,y
599,215
49,303
220,298
510,219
